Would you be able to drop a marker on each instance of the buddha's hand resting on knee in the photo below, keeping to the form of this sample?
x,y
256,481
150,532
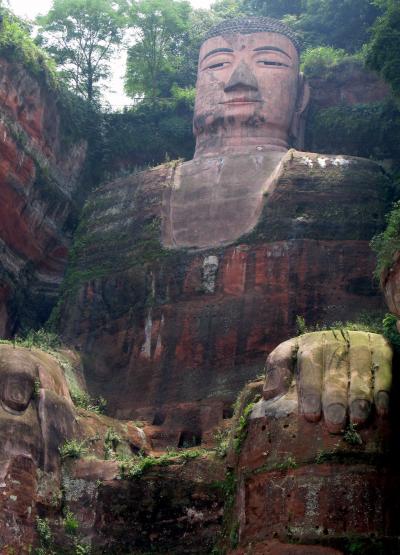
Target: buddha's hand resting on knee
x,y
340,374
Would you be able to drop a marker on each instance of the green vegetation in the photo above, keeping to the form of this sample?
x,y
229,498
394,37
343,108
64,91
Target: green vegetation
x,y
240,433
366,546
301,326
337,23
234,535
221,438
369,322
316,62
36,388
80,398
287,464
111,442
384,48
387,244
367,130
390,330
45,537
150,133
83,400
72,449
323,456
351,435
71,523
153,61
41,339
385,325
82,549
274,8
229,529
135,467
71,527
165,36
17,45
81,35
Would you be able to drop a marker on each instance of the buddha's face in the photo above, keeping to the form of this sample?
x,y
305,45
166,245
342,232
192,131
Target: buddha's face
x,y
17,385
247,88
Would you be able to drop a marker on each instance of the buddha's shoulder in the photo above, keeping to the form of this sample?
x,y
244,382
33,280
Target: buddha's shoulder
x,y
320,164
295,166
152,180
310,171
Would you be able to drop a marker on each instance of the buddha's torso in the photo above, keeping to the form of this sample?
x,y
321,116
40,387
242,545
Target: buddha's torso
x,y
181,284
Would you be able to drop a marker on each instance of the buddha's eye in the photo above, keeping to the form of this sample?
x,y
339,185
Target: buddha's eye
x,y
217,65
270,63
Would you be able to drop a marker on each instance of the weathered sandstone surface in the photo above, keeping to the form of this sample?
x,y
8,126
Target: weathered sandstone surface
x,y
286,486
38,175
171,336
175,506
348,84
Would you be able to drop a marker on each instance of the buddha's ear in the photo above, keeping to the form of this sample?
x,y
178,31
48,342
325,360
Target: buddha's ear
x,y
297,127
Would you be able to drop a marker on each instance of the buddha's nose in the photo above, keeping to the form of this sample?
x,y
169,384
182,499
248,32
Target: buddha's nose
x,y
242,78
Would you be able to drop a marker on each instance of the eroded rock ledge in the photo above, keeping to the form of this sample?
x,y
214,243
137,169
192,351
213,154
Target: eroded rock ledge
x,y
76,481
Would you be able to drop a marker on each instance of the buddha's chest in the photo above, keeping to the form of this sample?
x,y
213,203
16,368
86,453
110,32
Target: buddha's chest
x,y
214,201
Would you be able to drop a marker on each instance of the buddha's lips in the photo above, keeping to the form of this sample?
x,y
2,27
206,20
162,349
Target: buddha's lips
x,y
241,100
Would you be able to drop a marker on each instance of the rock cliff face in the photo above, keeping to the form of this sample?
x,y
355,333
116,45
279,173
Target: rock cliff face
x,y
349,83
38,175
171,336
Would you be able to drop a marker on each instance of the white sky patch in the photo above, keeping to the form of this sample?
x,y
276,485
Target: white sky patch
x,y
114,94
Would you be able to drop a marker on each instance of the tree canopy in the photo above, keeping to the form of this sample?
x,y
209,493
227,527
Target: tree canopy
x,y
384,49
336,23
82,35
159,29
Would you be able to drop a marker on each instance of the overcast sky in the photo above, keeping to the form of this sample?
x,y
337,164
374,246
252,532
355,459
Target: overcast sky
x,y
115,96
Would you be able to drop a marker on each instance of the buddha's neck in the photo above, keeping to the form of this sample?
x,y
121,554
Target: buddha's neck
x,y
215,145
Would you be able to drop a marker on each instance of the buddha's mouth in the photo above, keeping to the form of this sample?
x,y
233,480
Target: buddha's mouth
x,y
241,100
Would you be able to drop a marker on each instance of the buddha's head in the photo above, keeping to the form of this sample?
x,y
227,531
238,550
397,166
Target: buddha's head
x,y
36,411
250,92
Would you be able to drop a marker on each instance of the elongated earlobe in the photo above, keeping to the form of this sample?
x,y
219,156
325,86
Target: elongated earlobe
x,y
297,128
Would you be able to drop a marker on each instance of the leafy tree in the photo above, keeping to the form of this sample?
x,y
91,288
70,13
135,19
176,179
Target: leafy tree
x,y
159,28
315,61
151,132
225,9
82,35
384,48
337,23
273,8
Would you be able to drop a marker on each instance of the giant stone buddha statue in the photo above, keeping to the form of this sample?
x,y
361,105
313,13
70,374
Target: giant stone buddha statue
x,y
187,275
